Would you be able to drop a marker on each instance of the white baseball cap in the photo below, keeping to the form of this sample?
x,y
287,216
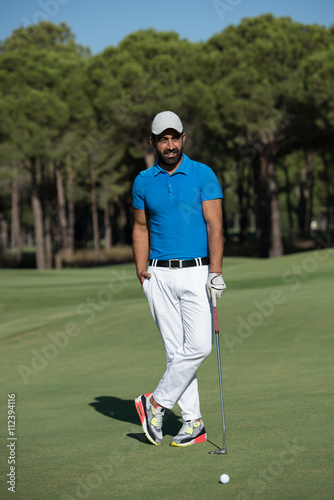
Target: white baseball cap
x,y
165,120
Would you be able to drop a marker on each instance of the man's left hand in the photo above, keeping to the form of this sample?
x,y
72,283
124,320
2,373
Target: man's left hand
x,y
215,286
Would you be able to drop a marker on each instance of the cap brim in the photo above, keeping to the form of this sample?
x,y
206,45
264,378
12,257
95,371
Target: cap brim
x,y
160,130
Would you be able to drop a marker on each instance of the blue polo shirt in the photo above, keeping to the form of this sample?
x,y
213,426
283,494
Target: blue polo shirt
x,y
174,202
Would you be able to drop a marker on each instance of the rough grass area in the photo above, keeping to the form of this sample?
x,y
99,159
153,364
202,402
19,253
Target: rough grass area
x,y
77,346
121,253
91,258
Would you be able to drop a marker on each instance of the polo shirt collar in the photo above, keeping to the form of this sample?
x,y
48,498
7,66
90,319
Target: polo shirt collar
x,y
183,168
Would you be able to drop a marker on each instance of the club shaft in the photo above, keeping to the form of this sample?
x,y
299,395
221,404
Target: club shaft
x,y
221,386
215,316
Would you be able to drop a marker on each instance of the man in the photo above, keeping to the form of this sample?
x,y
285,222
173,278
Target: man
x,y
178,224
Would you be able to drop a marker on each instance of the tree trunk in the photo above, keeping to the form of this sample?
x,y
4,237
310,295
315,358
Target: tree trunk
x,y
262,205
71,212
276,246
28,238
248,202
288,200
303,195
16,241
47,239
122,222
95,221
114,224
107,226
3,235
61,208
46,219
329,197
128,221
311,169
244,200
38,220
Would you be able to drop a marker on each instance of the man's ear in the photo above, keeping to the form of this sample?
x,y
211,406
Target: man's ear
x,y
184,136
152,141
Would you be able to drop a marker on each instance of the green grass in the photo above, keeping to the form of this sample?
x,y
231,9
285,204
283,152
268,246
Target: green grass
x,y
78,435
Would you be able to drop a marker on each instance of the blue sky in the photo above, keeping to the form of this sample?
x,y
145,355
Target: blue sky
x,y
101,23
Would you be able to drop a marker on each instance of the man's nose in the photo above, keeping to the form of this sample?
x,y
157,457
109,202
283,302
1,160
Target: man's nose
x,y
170,144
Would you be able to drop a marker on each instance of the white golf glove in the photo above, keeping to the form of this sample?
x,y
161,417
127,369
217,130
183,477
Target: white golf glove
x,y
216,287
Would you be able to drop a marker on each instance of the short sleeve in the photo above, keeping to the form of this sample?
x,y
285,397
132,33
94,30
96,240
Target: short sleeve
x,y
210,187
138,193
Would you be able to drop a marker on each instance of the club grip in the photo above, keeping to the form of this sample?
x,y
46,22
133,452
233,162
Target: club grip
x,y
215,319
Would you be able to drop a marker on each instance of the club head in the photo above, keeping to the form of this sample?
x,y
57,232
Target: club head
x,y
223,451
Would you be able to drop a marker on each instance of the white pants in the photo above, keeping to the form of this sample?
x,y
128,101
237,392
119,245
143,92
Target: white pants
x,y
182,312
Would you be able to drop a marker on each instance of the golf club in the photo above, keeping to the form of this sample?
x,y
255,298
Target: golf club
x,y
223,450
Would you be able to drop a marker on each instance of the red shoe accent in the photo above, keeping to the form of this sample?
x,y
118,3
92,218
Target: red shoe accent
x,y
201,439
140,410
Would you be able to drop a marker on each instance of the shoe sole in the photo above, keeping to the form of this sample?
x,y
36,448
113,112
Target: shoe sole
x,y
142,415
200,439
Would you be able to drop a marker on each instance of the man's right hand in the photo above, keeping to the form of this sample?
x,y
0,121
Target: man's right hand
x,y
142,276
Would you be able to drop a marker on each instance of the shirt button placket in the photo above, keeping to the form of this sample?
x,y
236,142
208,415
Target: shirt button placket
x,y
170,189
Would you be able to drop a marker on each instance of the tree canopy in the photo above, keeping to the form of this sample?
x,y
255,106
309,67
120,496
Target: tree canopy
x,y
256,101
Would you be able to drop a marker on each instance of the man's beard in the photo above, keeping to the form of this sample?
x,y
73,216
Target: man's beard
x,y
164,161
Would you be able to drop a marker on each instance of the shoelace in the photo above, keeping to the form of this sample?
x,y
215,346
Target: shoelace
x,y
188,424
159,415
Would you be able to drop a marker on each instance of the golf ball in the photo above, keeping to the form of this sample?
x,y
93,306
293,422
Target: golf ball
x,y
224,478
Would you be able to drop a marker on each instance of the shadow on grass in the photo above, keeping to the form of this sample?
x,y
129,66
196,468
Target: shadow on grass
x,y
125,411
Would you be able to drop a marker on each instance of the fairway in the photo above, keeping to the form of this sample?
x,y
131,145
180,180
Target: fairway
x,y
77,346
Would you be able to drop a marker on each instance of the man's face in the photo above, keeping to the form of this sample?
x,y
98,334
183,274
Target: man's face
x,y
169,148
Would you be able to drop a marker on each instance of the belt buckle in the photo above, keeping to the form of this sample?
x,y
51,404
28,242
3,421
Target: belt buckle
x,y
174,260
